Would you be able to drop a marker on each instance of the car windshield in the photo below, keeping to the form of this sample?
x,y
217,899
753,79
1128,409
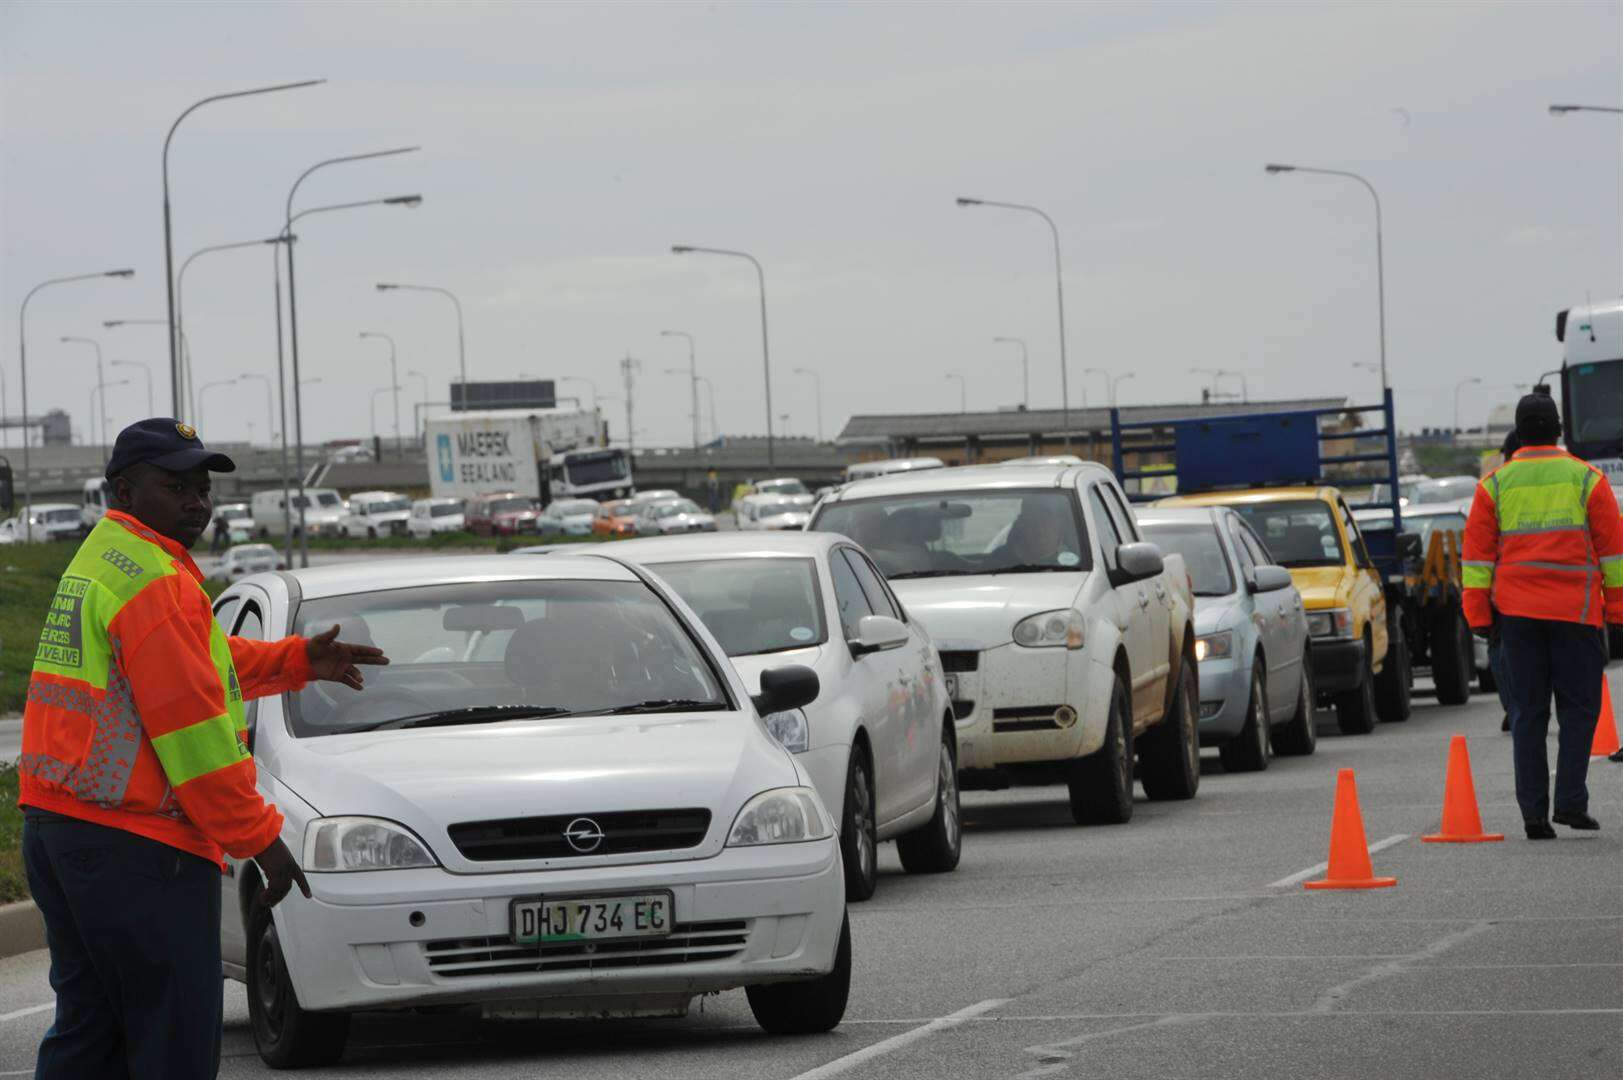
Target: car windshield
x,y
1447,490
618,508
444,509
1202,552
328,498
1297,533
605,467
1423,525
232,513
576,646
965,532
574,507
55,517
388,506
508,506
671,509
751,605
790,486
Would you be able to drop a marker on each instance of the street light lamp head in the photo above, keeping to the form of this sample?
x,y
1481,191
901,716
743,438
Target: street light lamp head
x,y
404,200
962,201
1562,110
120,273
1278,168
384,286
681,249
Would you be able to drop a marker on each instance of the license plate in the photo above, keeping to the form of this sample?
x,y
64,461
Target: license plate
x,y
952,685
591,918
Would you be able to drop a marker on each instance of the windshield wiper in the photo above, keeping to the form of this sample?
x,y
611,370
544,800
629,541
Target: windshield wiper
x,y
657,705
474,714
932,573
1034,568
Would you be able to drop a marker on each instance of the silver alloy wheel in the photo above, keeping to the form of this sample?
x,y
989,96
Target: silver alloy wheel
x,y
862,818
1259,719
1124,761
947,797
1191,728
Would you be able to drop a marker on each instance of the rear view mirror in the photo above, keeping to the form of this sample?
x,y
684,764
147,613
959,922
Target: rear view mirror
x,y
793,686
488,617
1139,560
1267,578
878,633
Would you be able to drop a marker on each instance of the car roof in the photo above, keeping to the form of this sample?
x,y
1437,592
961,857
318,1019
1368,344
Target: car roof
x,y
1250,495
441,499
770,498
966,478
377,495
381,575
55,506
1157,515
727,545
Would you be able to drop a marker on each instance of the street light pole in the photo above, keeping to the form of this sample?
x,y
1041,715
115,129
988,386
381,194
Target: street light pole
x,y
1462,384
394,381
205,388
461,341
168,239
693,380
146,372
188,379
817,379
1380,257
416,428
1025,367
766,354
1115,382
1103,374
710,392
1059,288
270,416
963,391
102,388
101,430
373,413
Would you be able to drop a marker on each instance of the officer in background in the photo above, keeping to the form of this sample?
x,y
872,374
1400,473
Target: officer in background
x,y
1501,674
135,773
1544,560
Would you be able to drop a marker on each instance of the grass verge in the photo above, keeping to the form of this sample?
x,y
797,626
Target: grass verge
x,y
13,881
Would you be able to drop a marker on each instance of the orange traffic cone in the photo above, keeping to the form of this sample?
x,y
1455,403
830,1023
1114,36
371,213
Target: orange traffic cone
x,y
1462,823
1606,741
1349,851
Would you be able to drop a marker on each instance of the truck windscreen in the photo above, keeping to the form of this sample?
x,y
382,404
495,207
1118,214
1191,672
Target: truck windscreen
x,y
1594,403
596,468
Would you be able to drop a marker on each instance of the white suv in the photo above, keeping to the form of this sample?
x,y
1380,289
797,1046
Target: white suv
x,y
1068,641
377,513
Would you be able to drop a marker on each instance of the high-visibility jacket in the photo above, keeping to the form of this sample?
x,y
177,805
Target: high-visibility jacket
x,y
1544,542
134,717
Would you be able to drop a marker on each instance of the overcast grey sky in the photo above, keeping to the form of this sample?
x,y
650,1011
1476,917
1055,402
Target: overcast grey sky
x,y
566,147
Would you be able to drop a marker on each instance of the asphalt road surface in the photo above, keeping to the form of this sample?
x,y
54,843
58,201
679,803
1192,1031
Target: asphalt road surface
x,y
1179,945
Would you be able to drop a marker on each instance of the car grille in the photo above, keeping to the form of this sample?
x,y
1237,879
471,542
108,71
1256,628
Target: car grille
x,y
543,837
955,661
1024,718
689,943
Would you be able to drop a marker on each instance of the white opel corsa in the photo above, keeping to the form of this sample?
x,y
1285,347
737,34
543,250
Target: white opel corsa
x,y
879,742
558,800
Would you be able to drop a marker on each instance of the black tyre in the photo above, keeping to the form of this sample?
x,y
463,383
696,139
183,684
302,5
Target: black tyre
x,y
859,835
1169,760
287,1035
1248,751
1101,784
1392,685
1355,708
371,533
809,1007
935,847
1297,737
1452,666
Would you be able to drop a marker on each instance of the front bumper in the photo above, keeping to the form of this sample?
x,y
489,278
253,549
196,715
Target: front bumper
x,y
1338,664
1225,697
414,937
1005,706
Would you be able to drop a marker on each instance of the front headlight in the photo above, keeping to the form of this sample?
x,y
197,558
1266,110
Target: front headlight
x,y
1050,629
1330,623
790,729
780,816
343,844
1216,646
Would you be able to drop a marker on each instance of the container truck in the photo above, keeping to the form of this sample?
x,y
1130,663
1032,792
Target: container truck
x,y
543,454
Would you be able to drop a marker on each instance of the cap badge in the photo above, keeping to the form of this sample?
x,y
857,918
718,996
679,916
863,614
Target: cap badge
x,y
186,431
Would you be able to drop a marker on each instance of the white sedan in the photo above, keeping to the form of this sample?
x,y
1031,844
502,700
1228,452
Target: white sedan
x,y
559,800
673,516
240,560
567,517
436,515
879,742
759,513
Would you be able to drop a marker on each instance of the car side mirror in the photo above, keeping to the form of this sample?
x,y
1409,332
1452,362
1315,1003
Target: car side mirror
x,y
878,633
1267,578
793,686
1138,561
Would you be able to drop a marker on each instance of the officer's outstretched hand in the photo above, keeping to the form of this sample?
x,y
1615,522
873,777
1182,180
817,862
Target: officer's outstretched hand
x,y
337,661
281,871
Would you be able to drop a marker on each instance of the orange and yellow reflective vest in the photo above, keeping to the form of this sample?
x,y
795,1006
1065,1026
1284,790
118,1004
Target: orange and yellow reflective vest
x,y
1544,542
134,717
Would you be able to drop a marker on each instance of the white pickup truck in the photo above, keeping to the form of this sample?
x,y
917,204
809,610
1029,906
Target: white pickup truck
x,y
1067,639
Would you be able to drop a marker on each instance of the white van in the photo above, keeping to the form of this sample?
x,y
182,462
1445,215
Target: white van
x,y
377,513
323,514
98,493
867,470
434,515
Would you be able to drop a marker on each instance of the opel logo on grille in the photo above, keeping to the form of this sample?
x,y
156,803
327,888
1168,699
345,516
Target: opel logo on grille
x,y
584,835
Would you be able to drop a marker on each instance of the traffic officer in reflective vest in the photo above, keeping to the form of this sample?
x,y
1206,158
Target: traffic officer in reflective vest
x,y
135,774
1544,557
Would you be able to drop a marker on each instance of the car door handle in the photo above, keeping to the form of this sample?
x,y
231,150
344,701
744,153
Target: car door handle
x,y
1160,590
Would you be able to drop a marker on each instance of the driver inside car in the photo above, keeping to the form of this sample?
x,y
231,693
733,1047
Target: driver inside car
x,y
1040,536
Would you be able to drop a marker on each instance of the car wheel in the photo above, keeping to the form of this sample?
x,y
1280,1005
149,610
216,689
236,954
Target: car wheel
x,y
1297,736
1355,708
1248,751
1101,784
287,1036
1169,764
809,1007
859,834
1451,661
371,533
934,847
1392,701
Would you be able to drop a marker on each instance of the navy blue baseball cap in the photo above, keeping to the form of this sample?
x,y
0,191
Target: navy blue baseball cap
x,y
167,443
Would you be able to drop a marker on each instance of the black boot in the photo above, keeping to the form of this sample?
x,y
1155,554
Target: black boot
x,y
1539,830
1618,757
1575,819
1504,725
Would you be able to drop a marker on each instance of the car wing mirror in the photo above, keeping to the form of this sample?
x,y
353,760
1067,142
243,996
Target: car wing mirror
x,y
1267,578
793,686
1140,560
878,633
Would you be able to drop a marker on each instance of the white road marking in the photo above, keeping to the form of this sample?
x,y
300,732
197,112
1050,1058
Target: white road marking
x,y
30,1011
1319,868
897,1042
1331,999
